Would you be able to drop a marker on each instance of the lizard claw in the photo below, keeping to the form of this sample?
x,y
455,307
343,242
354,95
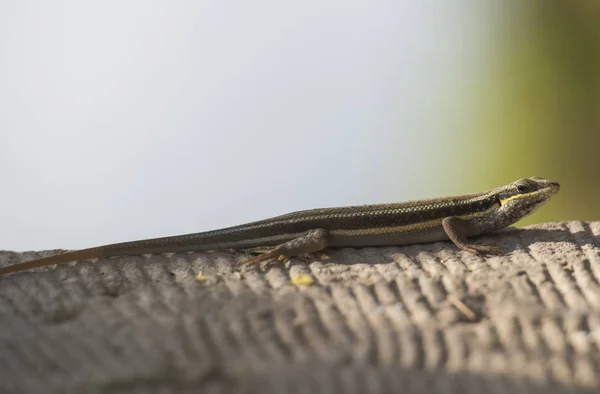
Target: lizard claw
x,y
482,248
260,258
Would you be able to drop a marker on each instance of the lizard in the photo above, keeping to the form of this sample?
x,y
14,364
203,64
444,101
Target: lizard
x,y
303,232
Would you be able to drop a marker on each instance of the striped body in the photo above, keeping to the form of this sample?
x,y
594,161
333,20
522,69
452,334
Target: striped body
x,y
354,226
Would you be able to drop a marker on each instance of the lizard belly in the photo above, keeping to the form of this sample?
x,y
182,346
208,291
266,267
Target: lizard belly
x,y
385,236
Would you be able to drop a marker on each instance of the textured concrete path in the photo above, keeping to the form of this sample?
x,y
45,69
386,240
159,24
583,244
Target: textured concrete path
x,y
416,319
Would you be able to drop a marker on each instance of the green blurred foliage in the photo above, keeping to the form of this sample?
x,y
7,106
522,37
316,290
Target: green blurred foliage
x,y
539,103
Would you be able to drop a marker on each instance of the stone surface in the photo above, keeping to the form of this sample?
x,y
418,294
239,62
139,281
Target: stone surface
x,y
415,319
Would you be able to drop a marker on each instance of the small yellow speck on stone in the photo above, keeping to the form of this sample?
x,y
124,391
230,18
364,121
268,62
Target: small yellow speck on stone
x,y
200,277
303,280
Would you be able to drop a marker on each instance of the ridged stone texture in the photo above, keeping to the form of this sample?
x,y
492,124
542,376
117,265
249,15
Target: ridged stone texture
x,y
414,319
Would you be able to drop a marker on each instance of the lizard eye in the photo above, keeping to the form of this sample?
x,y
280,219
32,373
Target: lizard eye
x,y
522,188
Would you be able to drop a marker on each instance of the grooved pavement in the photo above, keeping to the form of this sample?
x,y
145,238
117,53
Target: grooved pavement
x,y
414,319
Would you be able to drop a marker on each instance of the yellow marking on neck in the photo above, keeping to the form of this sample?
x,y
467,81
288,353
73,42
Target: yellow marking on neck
x,y
518,196
491,209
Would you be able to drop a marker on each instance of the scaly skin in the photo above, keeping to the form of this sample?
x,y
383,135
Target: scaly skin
x,y
448,218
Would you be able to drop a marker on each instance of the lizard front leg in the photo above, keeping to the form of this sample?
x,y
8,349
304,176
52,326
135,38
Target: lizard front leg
x,y
455,230
310,242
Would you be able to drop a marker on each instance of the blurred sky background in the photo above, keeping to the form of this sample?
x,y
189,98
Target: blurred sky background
x,y
135,119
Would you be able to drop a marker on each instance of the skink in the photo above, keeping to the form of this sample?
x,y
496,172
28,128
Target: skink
x,y
449,218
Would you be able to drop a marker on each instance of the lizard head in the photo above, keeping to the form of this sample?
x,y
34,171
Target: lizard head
x,y
524,196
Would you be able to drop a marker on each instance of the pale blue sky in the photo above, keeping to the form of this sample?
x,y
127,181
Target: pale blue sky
x,y
134,119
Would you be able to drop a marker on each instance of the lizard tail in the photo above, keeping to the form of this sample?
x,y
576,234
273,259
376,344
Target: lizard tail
x,y
66,257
